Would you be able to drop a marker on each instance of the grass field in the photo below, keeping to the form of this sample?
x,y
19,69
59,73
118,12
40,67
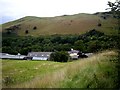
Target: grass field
x,y
97,71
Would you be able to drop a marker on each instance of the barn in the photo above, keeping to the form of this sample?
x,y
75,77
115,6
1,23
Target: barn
x,y
39,55
10,56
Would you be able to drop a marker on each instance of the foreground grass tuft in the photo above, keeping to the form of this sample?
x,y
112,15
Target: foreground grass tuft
x,y
95,72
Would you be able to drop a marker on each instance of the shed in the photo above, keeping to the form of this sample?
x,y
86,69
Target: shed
x,y
39,55
10,56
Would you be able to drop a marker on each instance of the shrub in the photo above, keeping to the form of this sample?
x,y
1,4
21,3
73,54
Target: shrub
x,y
59,56
8,30
34,28
26,32
99,24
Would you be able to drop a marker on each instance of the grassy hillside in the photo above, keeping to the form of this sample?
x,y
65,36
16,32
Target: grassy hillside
x,y
66,24
97,71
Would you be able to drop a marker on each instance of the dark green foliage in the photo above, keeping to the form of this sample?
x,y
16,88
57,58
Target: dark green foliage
x,y
99,24
114,7
25,51
9,50
90,34
104,17
94,46
8,31
26,32
34,28
59,56
79,45
91,41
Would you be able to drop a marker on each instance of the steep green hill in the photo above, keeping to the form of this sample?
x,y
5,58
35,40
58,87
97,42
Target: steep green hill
x,y
66,24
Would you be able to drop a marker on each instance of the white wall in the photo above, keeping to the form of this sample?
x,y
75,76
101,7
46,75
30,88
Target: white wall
x,y
12,56
39,58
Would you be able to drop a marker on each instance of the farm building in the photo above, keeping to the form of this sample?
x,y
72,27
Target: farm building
x,y
10,56
39,55
73,54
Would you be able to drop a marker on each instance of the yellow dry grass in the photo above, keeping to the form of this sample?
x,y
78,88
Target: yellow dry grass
x,y
74,24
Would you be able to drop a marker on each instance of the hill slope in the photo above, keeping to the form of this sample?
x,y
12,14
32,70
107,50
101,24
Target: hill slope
x,y
66,24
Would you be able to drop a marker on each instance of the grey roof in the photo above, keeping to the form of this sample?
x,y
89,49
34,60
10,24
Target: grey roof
x,y
10,56
3,53
39,54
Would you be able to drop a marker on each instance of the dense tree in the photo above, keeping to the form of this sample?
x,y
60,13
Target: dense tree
x,y
79,45
9,31
26,31
93,46
114,7
88,42
59,56
9,50
25,51
99,24
56,38
34,28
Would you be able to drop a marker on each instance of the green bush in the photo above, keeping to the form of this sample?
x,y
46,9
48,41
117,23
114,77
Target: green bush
x,y
59,56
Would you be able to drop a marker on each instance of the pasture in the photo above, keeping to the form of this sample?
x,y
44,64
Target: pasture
x,y
97,71
70,24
